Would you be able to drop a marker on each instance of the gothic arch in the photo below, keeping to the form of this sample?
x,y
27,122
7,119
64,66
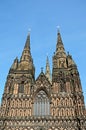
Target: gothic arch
x,y
41,104
57,101
70,102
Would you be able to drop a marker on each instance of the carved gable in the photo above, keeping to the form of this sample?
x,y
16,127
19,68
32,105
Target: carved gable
x,y
42,82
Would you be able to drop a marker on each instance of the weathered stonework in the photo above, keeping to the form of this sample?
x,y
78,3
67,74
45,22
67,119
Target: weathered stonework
x,y
44,103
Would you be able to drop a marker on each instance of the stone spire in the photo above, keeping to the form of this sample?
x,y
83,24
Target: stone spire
x,y
26,61
26,55
47,71
27,44
59,46
59,58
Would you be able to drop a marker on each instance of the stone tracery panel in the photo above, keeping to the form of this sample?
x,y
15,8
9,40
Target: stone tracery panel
x,y
41,104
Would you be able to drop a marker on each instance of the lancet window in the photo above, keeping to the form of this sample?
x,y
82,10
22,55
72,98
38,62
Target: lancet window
x,y
21,87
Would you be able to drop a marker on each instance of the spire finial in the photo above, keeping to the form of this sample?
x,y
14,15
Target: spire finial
x,y
29,31
41,69
58,28
59,40
59,45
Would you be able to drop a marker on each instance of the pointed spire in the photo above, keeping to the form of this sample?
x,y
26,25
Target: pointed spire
x,y
26,61
27,44
59,46
47,72
59,39
26,54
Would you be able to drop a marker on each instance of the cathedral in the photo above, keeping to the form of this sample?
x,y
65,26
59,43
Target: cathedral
x,y
53,101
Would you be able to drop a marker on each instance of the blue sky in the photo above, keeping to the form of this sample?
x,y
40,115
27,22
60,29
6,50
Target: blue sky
x,y
42,17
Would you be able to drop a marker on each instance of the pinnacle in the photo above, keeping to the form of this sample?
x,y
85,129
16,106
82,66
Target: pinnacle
x,y
15,64
47,72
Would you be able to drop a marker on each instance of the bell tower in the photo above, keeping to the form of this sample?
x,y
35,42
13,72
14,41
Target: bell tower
x,y
66,86
16,100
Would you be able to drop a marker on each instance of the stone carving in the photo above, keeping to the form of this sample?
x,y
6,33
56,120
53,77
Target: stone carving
x,y
42,104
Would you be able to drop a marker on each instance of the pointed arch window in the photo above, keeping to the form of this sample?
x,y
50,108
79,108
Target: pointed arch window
x,y
41,104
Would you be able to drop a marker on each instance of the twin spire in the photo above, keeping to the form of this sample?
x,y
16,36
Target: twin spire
x,y
59,45
26,61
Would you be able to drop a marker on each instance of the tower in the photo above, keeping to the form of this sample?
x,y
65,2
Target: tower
x,y
42,103
68,100
16,100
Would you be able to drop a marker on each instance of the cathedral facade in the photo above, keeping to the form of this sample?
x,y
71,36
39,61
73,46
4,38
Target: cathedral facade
x,y
47,103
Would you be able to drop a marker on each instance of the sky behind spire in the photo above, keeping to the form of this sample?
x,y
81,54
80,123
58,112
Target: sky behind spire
x,y
43,17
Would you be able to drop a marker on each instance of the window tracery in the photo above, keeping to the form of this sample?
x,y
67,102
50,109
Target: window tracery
x,y
41,104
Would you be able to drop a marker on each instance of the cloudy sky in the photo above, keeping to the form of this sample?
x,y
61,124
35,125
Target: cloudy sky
x,y
42,17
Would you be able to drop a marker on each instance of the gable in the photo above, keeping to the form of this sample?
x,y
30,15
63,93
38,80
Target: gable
x,y
43,83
